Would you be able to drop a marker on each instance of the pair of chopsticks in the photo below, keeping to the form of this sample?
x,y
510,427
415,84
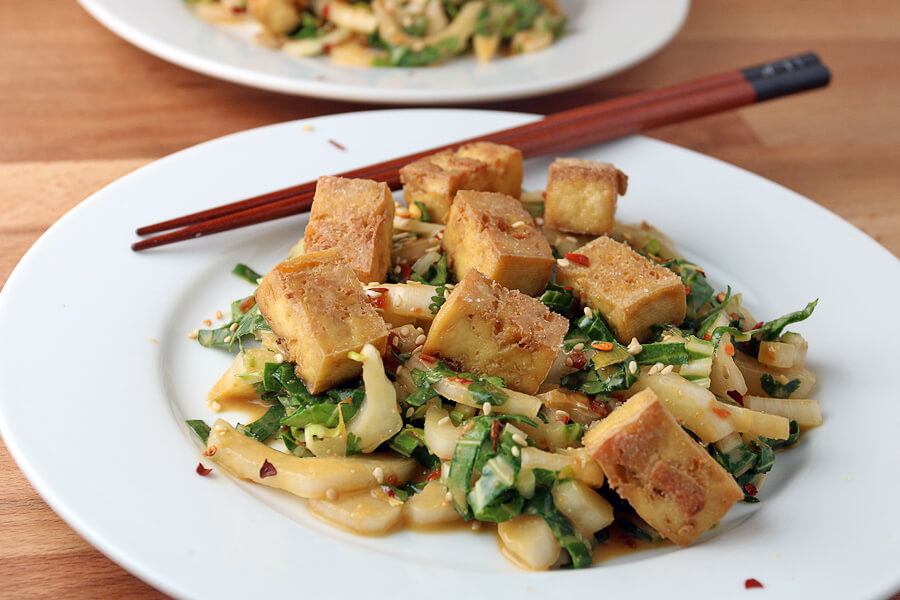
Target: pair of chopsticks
x,y
567,130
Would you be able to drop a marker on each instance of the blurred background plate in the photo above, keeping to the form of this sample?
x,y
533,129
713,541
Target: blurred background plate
x,y
603,37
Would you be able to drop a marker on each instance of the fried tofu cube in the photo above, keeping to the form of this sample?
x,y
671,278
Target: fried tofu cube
x,y
487,329
581,195
504,165
315,304
630,291
434,181
667,477
480,166
356,216
492,233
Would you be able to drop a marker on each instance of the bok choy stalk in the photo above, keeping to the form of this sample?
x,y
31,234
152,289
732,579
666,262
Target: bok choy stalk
x,y
379,415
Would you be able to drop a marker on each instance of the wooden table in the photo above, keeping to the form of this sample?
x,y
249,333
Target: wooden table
x,y
79,108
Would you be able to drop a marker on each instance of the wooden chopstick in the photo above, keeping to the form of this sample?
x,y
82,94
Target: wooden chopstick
x,y
579,127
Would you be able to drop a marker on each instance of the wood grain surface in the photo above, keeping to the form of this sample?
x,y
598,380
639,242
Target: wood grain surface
x,y
79,108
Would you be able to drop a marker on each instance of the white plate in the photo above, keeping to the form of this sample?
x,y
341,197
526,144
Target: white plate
x,y
604,37
99,376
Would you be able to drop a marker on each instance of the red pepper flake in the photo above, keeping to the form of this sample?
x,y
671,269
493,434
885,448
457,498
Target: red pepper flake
x,y
387,490
238,9
734,316
405,272
751,489
337,145
460,380
687,290
581,259
603,346
325,10
495,433
379,290
427,358
433,476
729,349
267,469
203,471
601,408
377,301
736,396
752,583
568,288
758,325
722,412
391,479
210,451
578,360
565,419
707,337
327,48
720,297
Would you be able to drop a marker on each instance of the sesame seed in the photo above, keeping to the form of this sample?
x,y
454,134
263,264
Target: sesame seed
x,y
373,293
578,347
656,368
307,127
330,494
279,358
539,220
433,249
418,348
632,368
410,411
218,314
194,334
207,322
570,238
397,270
233,327
588,312
667,369
415,212
519,224
634,347
517,438
515,451
486,408
563,262
378,474
420,339
476,525
444,420
215,406
373,284
405,330
227,339
569,362
448,497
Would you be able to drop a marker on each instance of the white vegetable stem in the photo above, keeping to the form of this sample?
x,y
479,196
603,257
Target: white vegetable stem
x,y
379,417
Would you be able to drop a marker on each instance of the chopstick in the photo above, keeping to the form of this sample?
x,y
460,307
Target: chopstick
x,y
567,130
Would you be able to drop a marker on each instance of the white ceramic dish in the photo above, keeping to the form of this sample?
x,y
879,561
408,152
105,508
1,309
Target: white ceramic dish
x,y
98,377
605,37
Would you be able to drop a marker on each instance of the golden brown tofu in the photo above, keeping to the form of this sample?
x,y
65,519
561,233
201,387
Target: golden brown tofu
x,y
487,329
667,477
277,16
504,165
356,216
492,233
581,195
480,166
315,304
630,291
434,181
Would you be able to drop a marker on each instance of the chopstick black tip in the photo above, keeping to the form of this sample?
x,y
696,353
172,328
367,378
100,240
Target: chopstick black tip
x,y
787,76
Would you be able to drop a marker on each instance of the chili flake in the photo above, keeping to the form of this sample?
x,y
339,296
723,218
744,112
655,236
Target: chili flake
x,y
752,583
203,471
603,346
578,360
433,476
729,349
581,259
267,469
736,396
722,412
687,290
750,489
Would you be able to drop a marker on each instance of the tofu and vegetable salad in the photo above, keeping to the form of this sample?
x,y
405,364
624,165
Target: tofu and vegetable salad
x,y
484,356
394,33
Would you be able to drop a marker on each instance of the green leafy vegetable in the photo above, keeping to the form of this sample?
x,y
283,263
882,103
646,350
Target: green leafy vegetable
x,y
247,273
563,530
775,388
266,426
200,428
558,299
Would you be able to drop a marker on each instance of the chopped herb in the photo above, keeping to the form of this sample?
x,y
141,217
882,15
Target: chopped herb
x,y
247,273
775,388
200,428
558,299
266,426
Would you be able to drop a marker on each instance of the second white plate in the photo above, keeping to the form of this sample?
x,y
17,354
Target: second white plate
x,y
603,38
